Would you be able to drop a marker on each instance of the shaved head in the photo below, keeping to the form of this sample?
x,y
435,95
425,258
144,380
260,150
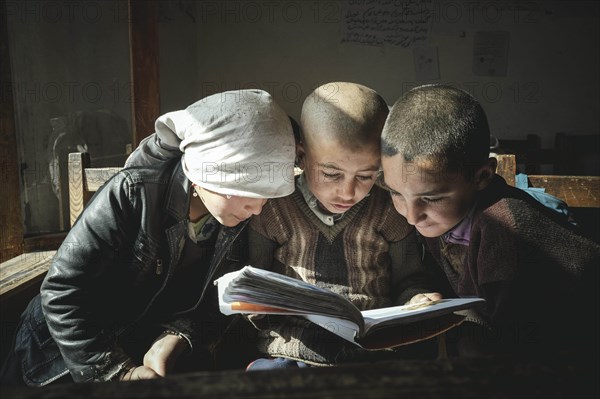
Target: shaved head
x,y
438,122
348,113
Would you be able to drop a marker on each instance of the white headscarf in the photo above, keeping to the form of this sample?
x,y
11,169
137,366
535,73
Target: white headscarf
x,y
236,142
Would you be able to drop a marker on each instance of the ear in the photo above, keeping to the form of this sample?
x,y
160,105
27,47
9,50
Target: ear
x,y
485,174
300,153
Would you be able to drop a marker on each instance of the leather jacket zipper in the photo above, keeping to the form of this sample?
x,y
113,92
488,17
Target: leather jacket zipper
x,y
216,265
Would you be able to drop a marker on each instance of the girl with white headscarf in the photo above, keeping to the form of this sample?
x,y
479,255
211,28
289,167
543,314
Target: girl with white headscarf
x,y
130,289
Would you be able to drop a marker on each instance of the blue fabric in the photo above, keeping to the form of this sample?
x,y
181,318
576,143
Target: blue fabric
x,y
275,363
548,200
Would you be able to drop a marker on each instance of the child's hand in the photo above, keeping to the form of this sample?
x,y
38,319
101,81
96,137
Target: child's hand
x,y
424,297
139,373
161,357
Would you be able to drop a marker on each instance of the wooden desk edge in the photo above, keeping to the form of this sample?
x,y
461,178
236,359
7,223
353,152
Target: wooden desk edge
x,y
22,271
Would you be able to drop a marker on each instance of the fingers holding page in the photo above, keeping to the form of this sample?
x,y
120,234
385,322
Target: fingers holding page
x,y
424,297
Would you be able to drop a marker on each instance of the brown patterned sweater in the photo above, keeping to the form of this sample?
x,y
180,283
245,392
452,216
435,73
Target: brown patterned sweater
x,y
370,256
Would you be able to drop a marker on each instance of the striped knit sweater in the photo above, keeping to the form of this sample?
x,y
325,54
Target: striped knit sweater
x,y
370,257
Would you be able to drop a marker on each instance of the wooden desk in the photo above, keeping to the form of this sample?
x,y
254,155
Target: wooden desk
x,y
22,271
576,191
476,378
20,280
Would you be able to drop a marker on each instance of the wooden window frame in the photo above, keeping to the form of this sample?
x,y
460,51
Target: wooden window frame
x,y
145,108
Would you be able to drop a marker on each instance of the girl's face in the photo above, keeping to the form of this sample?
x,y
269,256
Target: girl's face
x,y
432,200
229,211
337,176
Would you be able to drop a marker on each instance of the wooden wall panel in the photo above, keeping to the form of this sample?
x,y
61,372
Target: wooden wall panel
x,y
143,40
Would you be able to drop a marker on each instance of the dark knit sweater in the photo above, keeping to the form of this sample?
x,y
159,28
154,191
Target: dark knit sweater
x,y
539,278
370,257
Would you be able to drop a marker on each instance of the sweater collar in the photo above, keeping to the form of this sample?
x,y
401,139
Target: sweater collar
x,y
461,233
313,203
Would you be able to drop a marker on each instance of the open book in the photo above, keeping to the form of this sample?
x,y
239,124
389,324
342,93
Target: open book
x,y
256,291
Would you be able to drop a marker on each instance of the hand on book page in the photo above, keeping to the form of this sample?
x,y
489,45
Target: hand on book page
x,y
258,291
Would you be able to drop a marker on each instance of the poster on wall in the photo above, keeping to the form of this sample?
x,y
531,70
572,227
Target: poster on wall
x,y
490,53
379,22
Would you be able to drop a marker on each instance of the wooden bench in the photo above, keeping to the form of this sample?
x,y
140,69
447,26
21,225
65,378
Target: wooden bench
x,y
21,272
581,193
576,191
84,181
557,376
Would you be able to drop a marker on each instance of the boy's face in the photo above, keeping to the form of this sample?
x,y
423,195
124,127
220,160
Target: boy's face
x,y
433,201
339,177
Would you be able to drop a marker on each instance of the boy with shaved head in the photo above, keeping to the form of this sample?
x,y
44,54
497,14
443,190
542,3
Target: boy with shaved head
x,y
538,277
337,230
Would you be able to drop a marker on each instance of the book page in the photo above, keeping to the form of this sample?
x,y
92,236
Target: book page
x,y
255,286
221,284
340,327
411,313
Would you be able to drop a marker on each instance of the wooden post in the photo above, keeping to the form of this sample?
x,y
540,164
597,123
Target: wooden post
x,y
78,196
143,50
507,167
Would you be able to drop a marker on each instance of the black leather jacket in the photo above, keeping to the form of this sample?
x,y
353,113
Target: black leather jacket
x,y
114,263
